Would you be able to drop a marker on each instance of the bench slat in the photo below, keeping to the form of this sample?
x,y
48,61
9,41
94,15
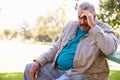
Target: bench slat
x,y
114,57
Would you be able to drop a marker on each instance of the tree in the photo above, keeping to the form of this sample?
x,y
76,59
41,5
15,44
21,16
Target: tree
x,y
110,12
25,31
51,25
7,32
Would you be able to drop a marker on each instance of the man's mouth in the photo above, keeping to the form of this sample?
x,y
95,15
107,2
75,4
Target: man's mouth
x,y
84,25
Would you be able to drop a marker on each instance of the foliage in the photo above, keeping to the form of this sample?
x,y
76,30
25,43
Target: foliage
x,y
49,27
7,32
25,31
110,12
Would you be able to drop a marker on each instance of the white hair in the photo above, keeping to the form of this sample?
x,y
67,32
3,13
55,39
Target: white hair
x,y
87,6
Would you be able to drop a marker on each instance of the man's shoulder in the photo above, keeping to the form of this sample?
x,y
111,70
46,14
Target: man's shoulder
x,y
103,25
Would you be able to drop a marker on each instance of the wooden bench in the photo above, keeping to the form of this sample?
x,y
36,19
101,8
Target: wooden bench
x,y
115,57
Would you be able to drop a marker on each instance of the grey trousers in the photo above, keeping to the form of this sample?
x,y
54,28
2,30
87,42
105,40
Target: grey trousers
x,y
48,73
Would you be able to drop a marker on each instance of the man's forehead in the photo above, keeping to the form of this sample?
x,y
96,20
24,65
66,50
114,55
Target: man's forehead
x,y
83,11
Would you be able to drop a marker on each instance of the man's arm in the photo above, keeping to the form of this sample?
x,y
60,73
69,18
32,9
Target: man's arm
x,y
105,39
44,58
103,34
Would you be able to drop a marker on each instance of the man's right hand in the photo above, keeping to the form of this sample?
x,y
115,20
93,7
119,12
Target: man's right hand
x,y
34,70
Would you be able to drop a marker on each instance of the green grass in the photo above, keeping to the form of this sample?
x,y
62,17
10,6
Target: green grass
x,y
41,43
11,76
114,75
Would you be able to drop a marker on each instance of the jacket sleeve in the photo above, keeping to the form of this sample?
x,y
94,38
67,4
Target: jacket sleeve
x,y
105,38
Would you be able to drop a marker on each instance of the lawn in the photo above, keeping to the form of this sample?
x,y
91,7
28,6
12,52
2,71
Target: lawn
x,y
11,76
114,75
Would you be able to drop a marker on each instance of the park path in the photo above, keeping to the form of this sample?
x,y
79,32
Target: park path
x,y
15,55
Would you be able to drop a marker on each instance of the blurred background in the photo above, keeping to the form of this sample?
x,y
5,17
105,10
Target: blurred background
x,y
28,28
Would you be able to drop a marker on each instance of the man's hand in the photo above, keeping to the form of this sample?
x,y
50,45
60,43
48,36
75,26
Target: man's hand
x,y
90,18
34,70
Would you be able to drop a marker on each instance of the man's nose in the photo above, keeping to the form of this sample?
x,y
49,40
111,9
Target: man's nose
x,y
83,21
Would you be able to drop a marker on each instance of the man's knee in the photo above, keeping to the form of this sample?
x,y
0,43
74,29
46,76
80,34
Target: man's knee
x,y
26,71
28,66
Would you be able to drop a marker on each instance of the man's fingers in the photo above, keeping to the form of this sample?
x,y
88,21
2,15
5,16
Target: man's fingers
x,y
34,78
31,74
36,74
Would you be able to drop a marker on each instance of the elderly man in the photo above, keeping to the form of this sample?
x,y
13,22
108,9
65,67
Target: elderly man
x,y
79,53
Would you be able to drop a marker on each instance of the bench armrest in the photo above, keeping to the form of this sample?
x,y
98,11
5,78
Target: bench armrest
x,y
114,57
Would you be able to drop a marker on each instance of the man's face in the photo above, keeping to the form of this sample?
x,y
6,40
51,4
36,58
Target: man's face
x,y
82,21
